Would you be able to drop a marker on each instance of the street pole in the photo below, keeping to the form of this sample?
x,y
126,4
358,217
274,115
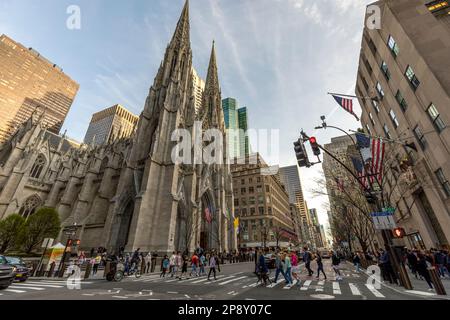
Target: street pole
x,y
386,234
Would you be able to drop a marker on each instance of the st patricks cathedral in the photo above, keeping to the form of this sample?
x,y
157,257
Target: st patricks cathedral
x,y
129,193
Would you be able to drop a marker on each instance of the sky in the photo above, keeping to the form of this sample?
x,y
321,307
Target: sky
x,y
279,58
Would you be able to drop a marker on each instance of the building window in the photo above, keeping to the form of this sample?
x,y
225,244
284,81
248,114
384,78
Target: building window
x,y
261,211
409,73
260,200
250,180
443,181
242,181
258,179
38,166
252,211
401,101
243,190
251,190
436,118
393,46
244,201
385,70
236,202
267,189
394,119
30,206
420,137
376,106
258,189
244,212
252,200
380,90
386,131
371,118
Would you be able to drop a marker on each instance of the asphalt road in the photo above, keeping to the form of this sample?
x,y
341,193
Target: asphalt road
x,y
235,282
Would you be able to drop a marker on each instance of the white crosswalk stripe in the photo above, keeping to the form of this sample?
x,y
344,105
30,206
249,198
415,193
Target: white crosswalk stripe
x,y
306,285
320,285
354,289
15,291
336,288
232,280
288,287
214,281
273,284
376,293
24,287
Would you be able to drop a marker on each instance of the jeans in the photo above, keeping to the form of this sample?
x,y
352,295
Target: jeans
x,y
319,269
358,266
212,269
308,267
194,269
277,273
288,276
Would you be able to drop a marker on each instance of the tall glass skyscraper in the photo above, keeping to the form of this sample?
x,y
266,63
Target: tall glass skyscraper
x,y
236,119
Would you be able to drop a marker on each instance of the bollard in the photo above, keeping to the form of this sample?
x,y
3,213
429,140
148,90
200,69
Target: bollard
x,y
436,280
50,272
143,265
88,270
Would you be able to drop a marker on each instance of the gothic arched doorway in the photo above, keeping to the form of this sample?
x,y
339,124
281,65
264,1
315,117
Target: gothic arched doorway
x,y
125,219
209,230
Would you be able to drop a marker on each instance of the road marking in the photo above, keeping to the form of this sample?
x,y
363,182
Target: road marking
x,y
206,279
88,294
22,287
38,284
336,288
226,278
232,280
120,297
320,286
354,289
374,291
273,284
306,285
230,292
172,292
15,291
423,293
187,296
287,287
249,299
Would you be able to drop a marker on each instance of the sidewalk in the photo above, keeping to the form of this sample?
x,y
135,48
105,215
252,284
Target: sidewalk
x,y
420,287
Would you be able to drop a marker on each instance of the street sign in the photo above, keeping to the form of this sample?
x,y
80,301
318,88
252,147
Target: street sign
x,y
47,242
383,220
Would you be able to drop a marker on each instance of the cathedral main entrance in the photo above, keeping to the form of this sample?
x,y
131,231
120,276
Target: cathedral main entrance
x,y
209,230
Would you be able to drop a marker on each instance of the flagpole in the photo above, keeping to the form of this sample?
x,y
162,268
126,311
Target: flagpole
x,y
405,144
349,96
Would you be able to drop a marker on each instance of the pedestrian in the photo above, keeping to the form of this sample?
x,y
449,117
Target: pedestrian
x,y
202,262
183,267
422,268
154,258
262,270
279,265
320,265
148,262
411,259
295,273
212,267
357,262
165,266
335,261
194,265
287,269
97,261
172,264
307,260
387,266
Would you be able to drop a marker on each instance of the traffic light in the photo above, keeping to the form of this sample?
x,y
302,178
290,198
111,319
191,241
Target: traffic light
x,y
300,153
398,233
314,146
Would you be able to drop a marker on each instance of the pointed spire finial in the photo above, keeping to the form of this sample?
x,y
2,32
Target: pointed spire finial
x,y
182,32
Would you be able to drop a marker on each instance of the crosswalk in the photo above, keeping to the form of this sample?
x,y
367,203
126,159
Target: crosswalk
x,y
36,286
350,287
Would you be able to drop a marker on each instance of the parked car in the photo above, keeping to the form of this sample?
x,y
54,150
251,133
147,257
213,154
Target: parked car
x,y
6,273
21,271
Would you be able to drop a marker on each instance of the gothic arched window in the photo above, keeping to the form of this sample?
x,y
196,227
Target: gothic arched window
x,y
30,206
38,166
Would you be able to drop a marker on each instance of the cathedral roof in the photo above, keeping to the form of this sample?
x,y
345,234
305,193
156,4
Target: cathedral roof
x,y
54,140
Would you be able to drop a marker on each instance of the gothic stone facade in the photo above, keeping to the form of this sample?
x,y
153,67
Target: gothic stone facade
x,y
129,193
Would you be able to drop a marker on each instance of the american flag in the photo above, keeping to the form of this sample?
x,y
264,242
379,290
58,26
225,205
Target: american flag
x,y
372,152
347,104
361,172
208,215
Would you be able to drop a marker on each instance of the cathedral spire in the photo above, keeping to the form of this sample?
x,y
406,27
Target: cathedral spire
x,y
181,35
212,79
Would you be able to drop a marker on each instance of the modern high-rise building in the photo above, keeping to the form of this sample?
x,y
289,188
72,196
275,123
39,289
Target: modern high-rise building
x,y
199,88
109,124
290,178
236,123
404,68
262,204
28,82
244,145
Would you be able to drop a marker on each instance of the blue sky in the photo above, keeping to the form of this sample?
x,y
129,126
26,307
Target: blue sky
x,y
279,58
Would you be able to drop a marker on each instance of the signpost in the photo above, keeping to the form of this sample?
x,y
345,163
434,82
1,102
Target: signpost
x,y
48,242
384,220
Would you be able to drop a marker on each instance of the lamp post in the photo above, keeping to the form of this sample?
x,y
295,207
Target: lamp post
x,y
70,232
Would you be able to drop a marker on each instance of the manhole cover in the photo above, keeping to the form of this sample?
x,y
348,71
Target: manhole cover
x,y
322,296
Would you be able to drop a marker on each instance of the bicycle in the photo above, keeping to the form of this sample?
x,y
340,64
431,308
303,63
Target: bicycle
x,y
135,270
